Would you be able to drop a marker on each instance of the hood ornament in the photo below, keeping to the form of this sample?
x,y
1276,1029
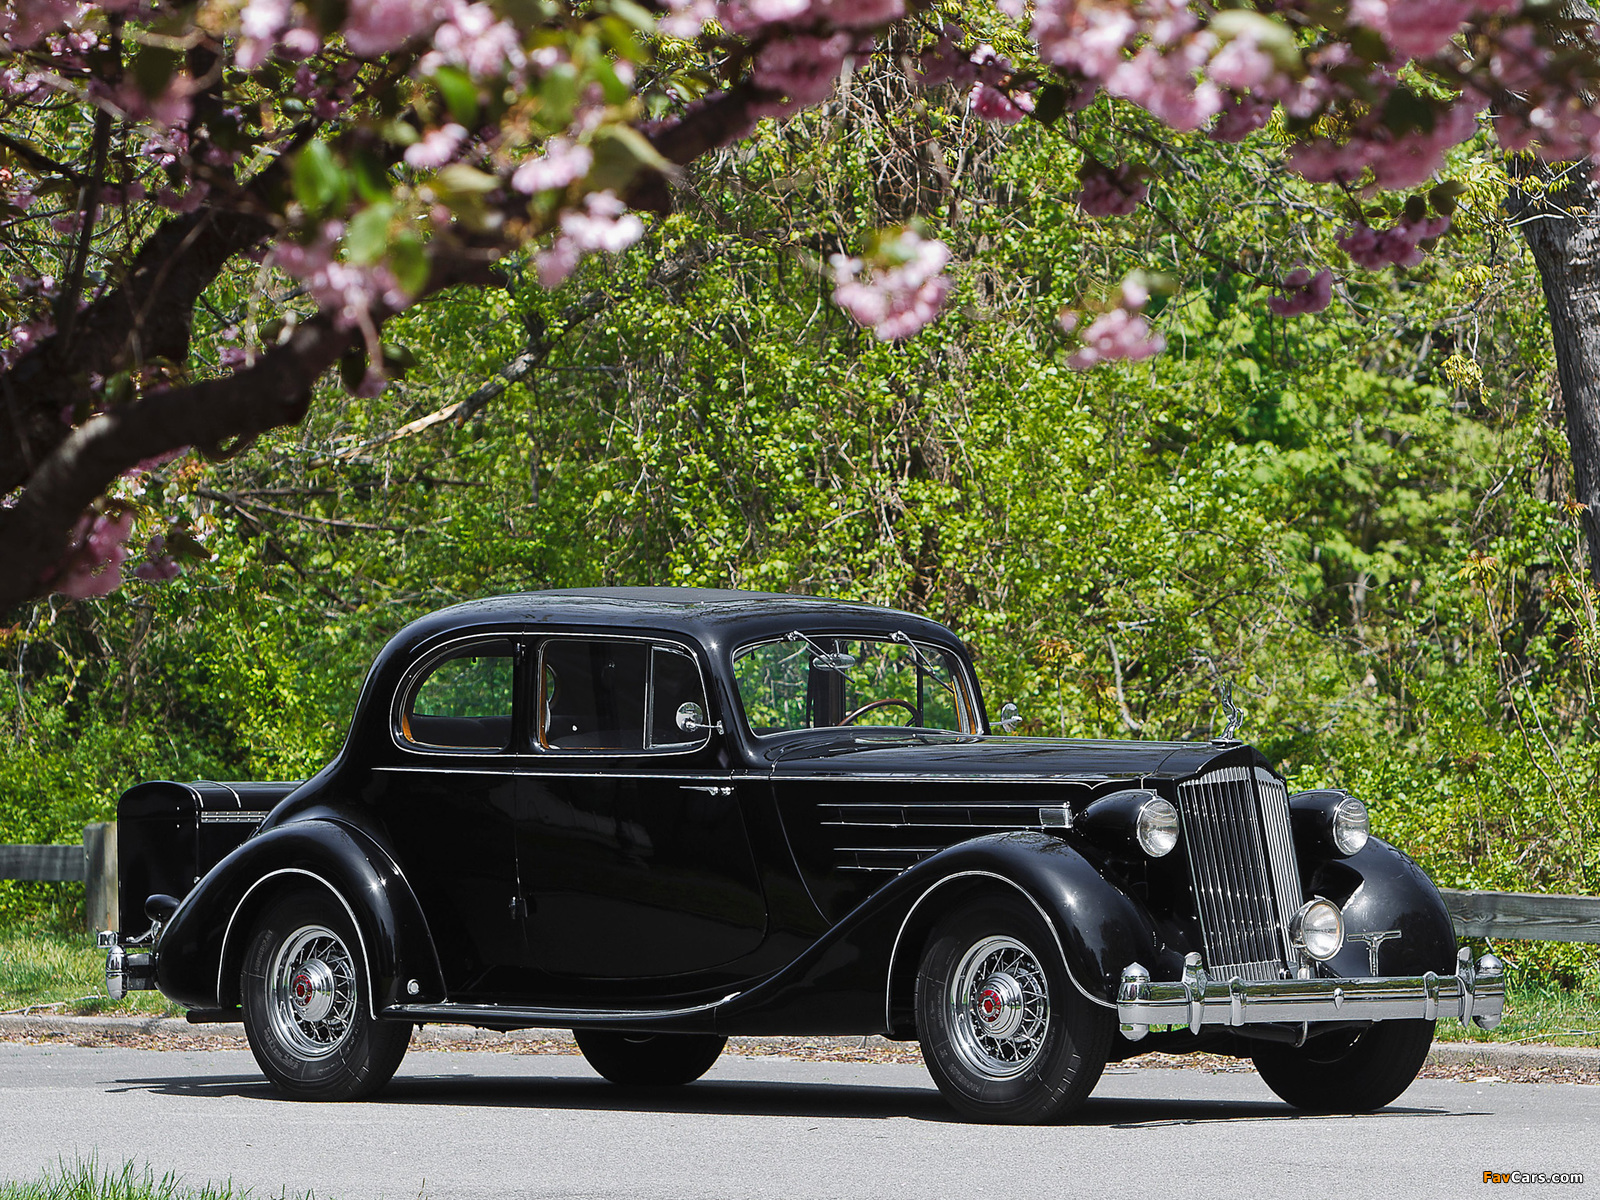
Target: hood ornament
x,y
1234,713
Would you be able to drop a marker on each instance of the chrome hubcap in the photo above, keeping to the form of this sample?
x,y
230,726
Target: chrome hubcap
x,y
311,992
999,1007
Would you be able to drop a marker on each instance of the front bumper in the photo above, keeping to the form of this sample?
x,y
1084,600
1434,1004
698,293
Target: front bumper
x,y
1476,992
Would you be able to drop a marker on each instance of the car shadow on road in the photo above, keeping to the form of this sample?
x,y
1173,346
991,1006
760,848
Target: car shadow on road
x,y
742,1097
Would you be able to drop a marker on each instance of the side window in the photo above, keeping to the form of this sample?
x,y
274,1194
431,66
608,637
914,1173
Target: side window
x,y
617,697
464,701
592,696
674,682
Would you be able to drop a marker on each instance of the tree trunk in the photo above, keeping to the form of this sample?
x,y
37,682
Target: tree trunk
x,y
1562,229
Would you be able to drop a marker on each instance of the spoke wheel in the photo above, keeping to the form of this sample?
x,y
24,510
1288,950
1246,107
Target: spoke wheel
x,y
1005,1033
1344,1071
649,1059
306,1009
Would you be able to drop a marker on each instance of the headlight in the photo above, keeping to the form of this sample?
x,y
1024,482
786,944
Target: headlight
x,y
1157,827
1351,825
1318,928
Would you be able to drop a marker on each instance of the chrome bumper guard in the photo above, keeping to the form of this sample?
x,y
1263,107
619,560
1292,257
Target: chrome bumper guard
x,y
1474,993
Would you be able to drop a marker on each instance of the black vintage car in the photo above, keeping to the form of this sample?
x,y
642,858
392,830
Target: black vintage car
x,y
659,817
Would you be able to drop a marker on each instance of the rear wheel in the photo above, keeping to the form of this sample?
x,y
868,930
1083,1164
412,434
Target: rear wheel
x,y
1005,1033
649,1059
1347,1071
307,1013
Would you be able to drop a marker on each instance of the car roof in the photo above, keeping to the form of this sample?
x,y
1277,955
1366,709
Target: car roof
x,y
712,615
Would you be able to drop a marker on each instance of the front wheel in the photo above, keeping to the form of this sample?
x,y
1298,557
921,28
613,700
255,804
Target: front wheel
x,y
649,1059
1347,1071
1005,1034
306,1009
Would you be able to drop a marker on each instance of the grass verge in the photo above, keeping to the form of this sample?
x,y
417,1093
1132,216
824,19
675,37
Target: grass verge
x,y
42,964
88,1180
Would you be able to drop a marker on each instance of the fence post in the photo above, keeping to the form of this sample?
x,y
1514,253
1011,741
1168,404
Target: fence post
x,y
100,876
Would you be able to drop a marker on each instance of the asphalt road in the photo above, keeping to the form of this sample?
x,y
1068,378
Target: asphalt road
x,y
470,1124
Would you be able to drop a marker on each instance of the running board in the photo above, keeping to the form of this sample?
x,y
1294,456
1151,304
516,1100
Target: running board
x,y
508,1016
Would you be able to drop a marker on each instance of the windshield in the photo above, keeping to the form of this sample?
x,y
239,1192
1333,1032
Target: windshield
x,y
810,681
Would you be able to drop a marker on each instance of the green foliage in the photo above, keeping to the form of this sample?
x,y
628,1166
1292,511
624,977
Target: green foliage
x,y
1356,518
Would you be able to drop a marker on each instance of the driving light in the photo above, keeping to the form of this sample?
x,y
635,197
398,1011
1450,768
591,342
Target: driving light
x,y
1351,825
1157,828
1318,928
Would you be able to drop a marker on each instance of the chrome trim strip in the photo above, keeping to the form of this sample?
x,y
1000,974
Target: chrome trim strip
x,y
780,776
223,817
366,962
559,1018
894,951
516,764
1476,992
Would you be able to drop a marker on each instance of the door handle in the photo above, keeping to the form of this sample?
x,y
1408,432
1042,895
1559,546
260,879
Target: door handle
x,y
710,791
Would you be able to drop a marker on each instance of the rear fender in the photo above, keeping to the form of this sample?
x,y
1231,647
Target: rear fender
x,y
201,950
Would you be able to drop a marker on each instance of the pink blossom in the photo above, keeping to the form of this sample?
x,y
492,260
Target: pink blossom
x,y
1414,28
1240,117
604,223
1118,335
477,41
24,22
803,68
686,18
1395,162
1088,36
561,164
1114,193
93,567
350,290
260,23
1373,250
1242,65
376,27
1302,292
1164,84
943,61
436,148
901,297
159,566
749,16
992,104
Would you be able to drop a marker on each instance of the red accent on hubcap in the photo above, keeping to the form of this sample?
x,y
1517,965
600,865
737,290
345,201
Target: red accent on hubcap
x,y
303,989
990,1004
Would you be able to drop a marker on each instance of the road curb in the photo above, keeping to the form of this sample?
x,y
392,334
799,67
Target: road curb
x,y
1444,1054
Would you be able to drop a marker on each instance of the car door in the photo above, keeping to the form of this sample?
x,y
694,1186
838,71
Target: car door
x,y
632,850
448,801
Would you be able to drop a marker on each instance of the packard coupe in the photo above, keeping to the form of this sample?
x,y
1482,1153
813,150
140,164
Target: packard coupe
x,y
660,817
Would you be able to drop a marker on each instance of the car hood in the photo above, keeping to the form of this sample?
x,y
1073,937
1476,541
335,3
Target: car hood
x,y
957,756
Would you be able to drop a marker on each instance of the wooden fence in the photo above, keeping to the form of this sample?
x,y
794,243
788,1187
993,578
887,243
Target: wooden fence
x,y
1514,916
93,864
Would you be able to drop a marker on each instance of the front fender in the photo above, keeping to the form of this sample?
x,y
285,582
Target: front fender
x,y
200,951
863,970
1381,890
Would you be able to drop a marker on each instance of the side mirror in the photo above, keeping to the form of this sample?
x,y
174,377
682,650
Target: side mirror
x,y
691,719
1009,717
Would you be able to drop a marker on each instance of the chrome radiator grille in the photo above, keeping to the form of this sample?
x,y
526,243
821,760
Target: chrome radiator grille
x,y
1241,862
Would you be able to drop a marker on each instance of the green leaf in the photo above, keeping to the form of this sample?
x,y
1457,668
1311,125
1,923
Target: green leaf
x,y
460,94
408,259
1273,37
319,180
368,235
397,360
620,153
153,69
462,180
353,367
1049,102
640,18
1416,208
1405,112
1444,197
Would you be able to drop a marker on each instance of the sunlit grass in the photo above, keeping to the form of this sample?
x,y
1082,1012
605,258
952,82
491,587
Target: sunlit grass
x,y
44,965
88,1180
1547,1015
